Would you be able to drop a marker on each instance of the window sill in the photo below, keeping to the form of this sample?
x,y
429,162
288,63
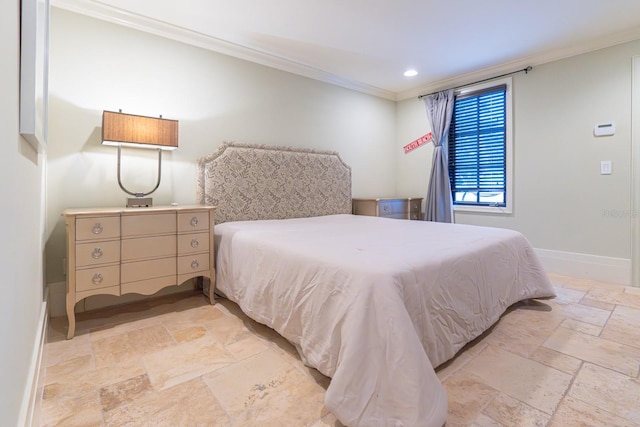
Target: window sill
x,y
483,209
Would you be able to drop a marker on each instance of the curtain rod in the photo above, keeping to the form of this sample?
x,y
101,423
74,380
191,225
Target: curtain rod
x,y
526,71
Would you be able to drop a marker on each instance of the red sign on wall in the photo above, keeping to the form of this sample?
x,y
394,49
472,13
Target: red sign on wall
x,y
417,143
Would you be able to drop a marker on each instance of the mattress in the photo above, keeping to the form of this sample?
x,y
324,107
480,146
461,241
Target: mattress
x,y
376,304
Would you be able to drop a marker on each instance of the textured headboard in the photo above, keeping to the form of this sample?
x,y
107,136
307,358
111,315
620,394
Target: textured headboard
x,y
249,182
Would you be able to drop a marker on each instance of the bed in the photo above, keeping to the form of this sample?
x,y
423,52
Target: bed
x,y
374,303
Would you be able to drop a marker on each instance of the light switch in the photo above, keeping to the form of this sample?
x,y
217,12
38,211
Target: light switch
x,y
605,167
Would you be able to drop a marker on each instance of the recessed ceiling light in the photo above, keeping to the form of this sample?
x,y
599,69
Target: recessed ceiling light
x,y
410,73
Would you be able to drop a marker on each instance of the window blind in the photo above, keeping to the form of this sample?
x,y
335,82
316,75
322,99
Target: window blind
x,y
477,148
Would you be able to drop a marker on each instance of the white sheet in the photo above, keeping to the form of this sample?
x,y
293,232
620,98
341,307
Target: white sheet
x,y
376,303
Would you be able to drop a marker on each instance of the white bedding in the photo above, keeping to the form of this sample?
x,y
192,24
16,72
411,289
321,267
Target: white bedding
x,y
377,303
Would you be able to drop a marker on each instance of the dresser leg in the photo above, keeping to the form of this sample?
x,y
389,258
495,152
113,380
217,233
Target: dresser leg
x,y
71,316
208,288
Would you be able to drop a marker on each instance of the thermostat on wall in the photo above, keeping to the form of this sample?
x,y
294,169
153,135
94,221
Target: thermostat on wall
x,y
604,129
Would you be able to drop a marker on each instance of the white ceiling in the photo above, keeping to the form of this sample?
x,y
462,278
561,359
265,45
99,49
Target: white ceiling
x,y
368,44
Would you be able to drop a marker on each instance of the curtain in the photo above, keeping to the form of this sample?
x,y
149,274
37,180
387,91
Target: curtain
x,y
439,205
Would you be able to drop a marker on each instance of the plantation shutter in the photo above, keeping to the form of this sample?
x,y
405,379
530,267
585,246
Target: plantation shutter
x,y
477,146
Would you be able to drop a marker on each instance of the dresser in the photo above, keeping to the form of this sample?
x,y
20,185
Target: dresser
x,y
400,208
116,251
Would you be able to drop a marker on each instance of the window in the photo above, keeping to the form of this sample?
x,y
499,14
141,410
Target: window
x,y
480,148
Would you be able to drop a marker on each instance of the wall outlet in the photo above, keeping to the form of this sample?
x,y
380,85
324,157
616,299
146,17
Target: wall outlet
x,y
605,167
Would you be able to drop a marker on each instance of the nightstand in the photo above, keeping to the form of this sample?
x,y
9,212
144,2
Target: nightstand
x,y
400,208
116,251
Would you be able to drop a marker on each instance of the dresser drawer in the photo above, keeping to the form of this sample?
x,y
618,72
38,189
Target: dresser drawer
x,y
193,263
148,247
415,208
95,253
193,221
97,278
400,208
148,224
94,228
415,205
142,270
192,243
392,207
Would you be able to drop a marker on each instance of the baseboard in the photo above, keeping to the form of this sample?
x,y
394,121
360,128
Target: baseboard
x,y
584,266
32,396
57,299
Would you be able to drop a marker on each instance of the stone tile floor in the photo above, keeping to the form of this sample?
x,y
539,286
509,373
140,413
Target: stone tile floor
x,y
177,361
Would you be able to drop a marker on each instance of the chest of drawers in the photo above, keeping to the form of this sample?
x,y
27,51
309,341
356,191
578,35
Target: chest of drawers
x,y
400,208
117,251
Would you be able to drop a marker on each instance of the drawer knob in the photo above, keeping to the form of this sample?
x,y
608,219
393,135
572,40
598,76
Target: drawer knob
x,y
194,221
97,279
195,243
195,264
97,228
385,208
97,253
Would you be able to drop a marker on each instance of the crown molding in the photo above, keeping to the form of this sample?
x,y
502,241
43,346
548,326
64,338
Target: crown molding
x,y
533,60
98,10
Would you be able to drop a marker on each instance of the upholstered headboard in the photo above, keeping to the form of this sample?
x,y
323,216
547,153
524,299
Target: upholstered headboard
x,y
249,182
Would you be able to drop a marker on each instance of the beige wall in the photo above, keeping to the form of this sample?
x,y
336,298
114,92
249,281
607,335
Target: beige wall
x,y
561,202
21,287
98,66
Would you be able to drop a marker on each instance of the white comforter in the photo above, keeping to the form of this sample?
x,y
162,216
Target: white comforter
x,y
377,303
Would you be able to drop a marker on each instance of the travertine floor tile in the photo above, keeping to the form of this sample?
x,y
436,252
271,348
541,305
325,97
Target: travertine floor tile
x,y
82,410
533,383
149,340
615,296
328,420
586,328
482,421
189,334
574,412
178,320
129,345
112,350
619,357
114,330
581,312
468,395
554,359
608,390
231,385
624,326
509,411
447,369
266,393
598,284
70,368
61,349
568,295
524,329
187,404
597,304
125,391
185,361
227,329
247,346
